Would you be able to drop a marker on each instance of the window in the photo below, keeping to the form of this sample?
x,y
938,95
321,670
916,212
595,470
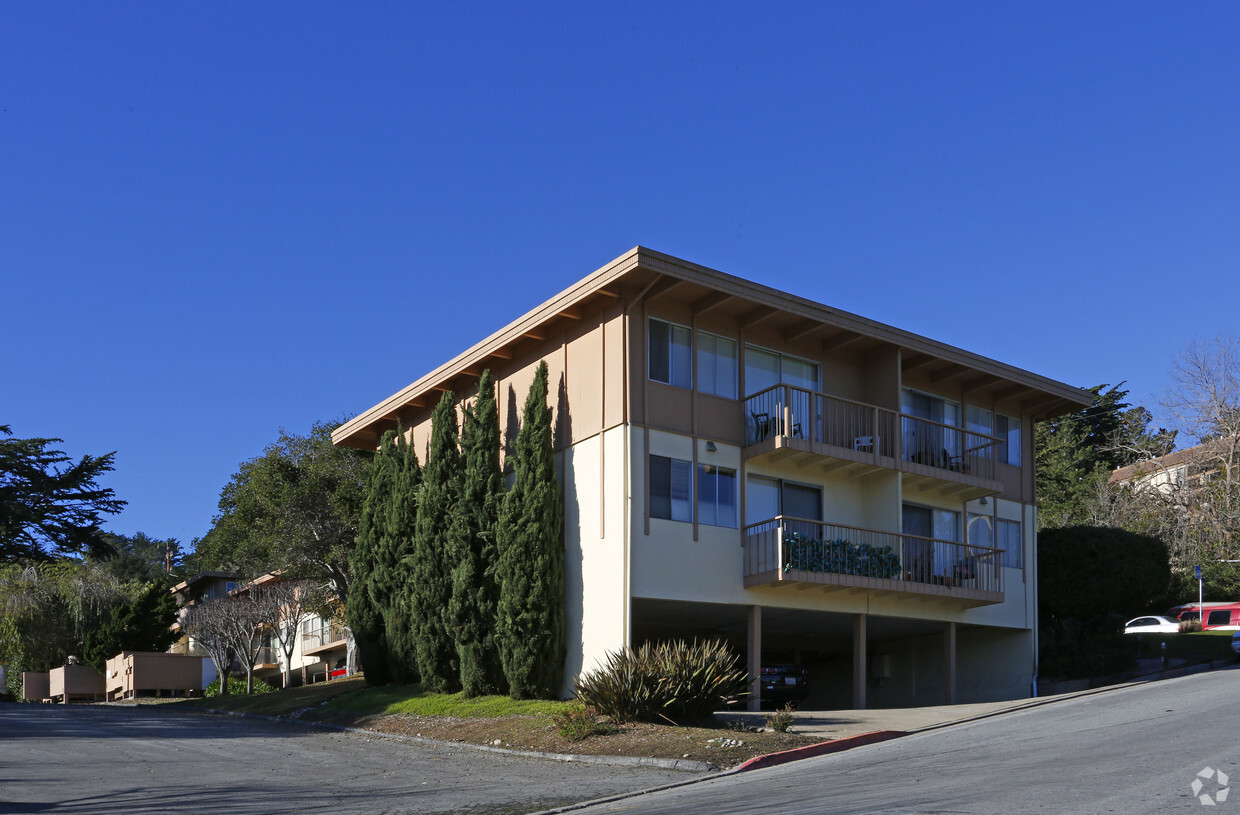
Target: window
x,y
716,501
930,441
716,361
767,498
980,421
1008,431
980,530
765,369
928,522
1220,617
1011,542
671,489
671,354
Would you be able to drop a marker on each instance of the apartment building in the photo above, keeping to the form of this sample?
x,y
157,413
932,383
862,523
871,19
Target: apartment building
x,y
815,487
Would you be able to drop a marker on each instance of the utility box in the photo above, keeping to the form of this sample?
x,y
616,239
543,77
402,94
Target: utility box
x,y
75,682
152,673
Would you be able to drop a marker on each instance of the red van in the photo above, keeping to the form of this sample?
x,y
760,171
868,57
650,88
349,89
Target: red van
x,y
1218,616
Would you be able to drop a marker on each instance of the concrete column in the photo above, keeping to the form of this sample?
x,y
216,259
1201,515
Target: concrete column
x,y
859,666
755,657
949,662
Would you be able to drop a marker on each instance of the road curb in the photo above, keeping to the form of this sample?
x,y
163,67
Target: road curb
x,y
820,749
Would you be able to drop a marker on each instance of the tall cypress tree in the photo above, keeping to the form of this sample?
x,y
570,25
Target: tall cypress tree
x,y
474,590
363,610
435,553
391,591
530,618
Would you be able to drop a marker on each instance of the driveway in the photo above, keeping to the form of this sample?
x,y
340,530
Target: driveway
x,y
111,759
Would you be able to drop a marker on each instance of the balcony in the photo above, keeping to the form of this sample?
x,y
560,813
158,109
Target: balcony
x,y
794,551
321,639
787,423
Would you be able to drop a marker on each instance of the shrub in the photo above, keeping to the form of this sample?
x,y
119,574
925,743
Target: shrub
x,y
1190,626
780,720
577,723
667,682
237,687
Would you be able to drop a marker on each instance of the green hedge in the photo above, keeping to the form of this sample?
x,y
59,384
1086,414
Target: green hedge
x,y
839,557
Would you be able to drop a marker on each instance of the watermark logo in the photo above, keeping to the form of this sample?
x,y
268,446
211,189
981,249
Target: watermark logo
x,y
1220,787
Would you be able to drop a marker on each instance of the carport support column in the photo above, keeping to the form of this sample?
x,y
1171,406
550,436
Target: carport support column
x,y
859,666
755,657
949,663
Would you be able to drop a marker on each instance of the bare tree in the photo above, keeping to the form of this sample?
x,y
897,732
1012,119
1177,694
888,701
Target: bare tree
x,y
247,613
210,626
284,605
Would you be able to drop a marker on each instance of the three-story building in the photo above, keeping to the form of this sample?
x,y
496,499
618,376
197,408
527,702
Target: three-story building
x,y
815,487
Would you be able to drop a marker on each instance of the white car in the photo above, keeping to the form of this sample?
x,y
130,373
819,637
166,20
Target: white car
x,y
1152,625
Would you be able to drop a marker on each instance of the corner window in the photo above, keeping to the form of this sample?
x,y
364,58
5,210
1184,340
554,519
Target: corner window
x,y
716,496
1007,429
716,361
1011,542
671,489
671,354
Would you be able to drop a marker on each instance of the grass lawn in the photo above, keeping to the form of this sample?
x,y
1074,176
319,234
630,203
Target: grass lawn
x,y
496,721
1195,647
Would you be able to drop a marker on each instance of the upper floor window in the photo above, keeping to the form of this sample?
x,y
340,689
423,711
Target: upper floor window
x,y
1007,429
716,361
671,354
765,369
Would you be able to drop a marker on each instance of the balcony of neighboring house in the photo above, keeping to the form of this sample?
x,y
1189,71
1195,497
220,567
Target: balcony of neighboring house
x,y
787,551
319,637
267,658
789,423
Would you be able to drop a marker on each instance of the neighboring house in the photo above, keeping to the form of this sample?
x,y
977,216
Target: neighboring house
x,y
813,486
200,588
319,650
1190,468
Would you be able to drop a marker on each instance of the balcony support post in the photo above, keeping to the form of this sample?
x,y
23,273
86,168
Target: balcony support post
x,y
755,658
859,666
949,662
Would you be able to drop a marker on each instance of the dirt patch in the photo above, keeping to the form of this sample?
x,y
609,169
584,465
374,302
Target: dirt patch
x,y
721,745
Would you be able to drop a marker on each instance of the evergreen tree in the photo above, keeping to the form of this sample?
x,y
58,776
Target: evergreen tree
x,y
364,613
474,591
530,618
435,553
392,592
145,624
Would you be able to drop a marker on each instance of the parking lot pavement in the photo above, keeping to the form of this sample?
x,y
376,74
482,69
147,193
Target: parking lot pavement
x,y
105,759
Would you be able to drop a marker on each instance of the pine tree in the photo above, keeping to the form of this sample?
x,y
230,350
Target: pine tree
x,y
435,553
145,624
530,618
398,546
474,590
363,612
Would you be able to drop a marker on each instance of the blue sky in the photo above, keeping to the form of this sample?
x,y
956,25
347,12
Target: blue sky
x,y
218,219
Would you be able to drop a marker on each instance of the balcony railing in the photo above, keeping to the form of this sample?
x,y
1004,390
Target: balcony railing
x,y
786,410
319,637
808,551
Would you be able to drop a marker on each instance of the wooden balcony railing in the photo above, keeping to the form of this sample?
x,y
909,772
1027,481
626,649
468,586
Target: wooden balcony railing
x,y
786,410
817,552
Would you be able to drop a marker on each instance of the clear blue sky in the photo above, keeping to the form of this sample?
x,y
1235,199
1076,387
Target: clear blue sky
x,y
217,219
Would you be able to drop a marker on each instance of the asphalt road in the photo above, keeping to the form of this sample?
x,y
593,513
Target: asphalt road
x,y
109,759
1132,750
